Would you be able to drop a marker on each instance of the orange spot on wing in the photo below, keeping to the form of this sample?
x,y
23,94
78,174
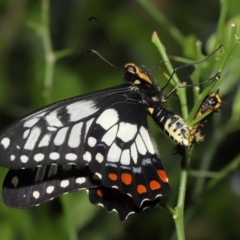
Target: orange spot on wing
x,y
141,189
113,176
126,178
100,192
154,185
163,176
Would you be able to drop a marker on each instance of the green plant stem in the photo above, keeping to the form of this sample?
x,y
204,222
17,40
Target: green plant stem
x,y
178,213
234,40
233,165
163,21
181,90
222,19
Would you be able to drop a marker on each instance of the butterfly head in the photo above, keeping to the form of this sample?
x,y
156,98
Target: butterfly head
x,y
136,76
144,81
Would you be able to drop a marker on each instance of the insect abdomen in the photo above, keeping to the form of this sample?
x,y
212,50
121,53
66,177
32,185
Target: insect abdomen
x,y
173,125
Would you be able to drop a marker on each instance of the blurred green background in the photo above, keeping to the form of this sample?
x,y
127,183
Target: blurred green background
x,y
212,208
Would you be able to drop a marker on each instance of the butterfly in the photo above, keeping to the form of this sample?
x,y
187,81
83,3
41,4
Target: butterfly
x,y
99,142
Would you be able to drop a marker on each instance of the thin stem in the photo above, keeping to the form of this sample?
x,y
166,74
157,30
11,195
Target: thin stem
x,y
179,211
233,165
221,22
234,40
174,80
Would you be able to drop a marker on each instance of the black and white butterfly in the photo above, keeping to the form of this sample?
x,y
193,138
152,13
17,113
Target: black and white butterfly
x,y
99,142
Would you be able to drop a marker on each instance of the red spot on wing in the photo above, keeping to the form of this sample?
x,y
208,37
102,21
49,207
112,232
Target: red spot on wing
x,y
154,185
100,192
163,175
113,176
126,178
141,189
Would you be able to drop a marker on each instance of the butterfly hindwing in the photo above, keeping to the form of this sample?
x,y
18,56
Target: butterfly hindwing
x,y
120,151
30,187
112,200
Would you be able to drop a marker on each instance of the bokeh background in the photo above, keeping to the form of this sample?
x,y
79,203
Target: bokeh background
x,y
213,203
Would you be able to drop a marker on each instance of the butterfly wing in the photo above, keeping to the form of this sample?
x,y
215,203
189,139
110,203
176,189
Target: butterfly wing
x,y
31,187
106,131
120,152
112,200
56,133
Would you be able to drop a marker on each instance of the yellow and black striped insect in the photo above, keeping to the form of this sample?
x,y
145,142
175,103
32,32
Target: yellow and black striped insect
x,y
210,105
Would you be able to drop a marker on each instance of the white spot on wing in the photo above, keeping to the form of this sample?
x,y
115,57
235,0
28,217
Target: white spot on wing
x,y
53,120
110,135
125,158
64,183
30,123
99,157
97,176
108,118
25,134
52,129
87,156
36,194
38,157
92,141
24,158
75,135
50,189
81,109
12,157
134,153
146,138
45,140
71,156
61,136
5,142
81,180
127,131
114,153
54,156
32,138
140,145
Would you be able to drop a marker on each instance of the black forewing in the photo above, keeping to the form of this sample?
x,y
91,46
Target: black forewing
x,y
56,133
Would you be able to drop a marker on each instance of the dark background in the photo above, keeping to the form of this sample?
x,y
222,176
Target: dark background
x,y
211,212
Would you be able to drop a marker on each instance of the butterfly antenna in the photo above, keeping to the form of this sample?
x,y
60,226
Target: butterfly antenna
x,y
104,59
105,35
187,65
